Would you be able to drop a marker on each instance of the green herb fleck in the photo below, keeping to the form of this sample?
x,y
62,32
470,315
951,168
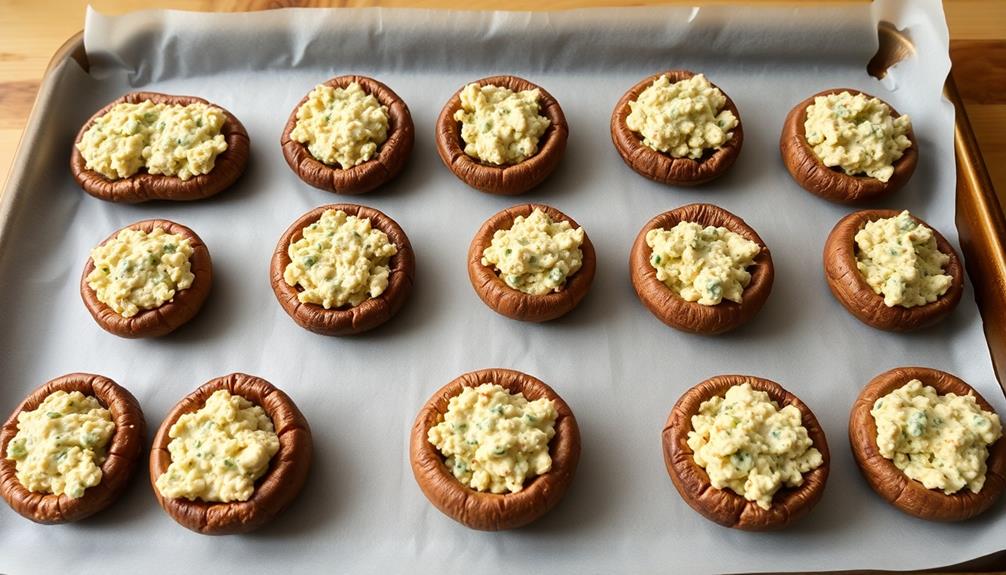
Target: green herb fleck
x,y
17,450
917,424
741,460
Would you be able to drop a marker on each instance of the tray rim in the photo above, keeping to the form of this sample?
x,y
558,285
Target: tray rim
x,y
976,202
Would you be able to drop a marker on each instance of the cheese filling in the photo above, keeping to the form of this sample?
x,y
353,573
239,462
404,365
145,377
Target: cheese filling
x,y
340,260
941,441
683,119
137,271
494,440
899,259
535,255
219,451
60,446
498,125
704,265
341,126
857,134
750,446
168,139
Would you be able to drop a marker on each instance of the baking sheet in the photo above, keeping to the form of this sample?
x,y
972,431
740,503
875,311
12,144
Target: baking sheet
x,y
618,367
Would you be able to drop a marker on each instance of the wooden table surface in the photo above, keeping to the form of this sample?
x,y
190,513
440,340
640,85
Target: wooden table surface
x,y
31,30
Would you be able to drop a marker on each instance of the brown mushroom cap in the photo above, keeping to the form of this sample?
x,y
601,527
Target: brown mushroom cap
x,y
851,290
123,452
510,179
723,506
346,320
664,168
690,316
890,482
833,183
142,186
274,491
494,511
516,304
172,314
391,156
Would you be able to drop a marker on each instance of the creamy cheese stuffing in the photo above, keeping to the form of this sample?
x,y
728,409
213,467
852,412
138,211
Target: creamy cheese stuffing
x,y
168,139
857,134
535,255
683,119
494,440
749,445
343,126
940,441
898,258
60,446
218,451
340,260
702,264
137,271
498,125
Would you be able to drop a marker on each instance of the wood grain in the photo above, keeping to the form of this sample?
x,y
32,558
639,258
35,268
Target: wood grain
x,y
980,70
31,30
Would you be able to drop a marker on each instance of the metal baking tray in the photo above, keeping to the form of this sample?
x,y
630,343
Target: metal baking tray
x,y
979,218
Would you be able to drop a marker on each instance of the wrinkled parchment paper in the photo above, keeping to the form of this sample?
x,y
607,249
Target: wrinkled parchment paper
x,y
619,368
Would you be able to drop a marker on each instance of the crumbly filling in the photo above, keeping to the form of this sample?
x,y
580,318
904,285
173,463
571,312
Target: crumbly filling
x,y
683,119
857,134
60,446
750,446
137,271
168,139
941,441
536,254
340,260
899,259
500,126
219,451
702,264
495,440
341,126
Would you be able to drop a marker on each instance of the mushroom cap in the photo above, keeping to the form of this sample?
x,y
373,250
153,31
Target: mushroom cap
x,y
143,186
514,303
508,179
274,491
123,452
669,307
392,154
851,290
834,184
723,506
661,167
890,482
172,314
371,312
494,511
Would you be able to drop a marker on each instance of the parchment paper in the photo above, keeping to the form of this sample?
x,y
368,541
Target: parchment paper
x,y
619,368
